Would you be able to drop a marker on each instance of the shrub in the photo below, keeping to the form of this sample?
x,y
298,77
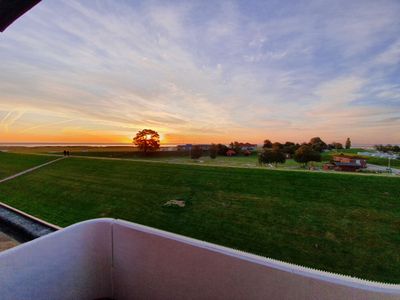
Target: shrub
x,y
306,154
213,151
196,152
272,157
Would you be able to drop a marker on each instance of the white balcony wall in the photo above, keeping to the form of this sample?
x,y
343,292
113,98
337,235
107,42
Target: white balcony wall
x,y
73,263
108,258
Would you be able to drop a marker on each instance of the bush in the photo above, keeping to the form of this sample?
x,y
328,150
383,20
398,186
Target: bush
x,y
246,153
196,152
306,154
213,151
222,149
272,157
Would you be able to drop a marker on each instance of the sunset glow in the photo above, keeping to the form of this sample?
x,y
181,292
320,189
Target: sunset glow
x,y
201,72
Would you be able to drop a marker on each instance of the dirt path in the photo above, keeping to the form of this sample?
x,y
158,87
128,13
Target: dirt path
x,y
7,242
30,170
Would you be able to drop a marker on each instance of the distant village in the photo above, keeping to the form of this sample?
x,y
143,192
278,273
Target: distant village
x,y
313,155
276,153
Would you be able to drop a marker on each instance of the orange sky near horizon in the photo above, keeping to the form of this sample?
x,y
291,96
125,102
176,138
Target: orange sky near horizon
x,y
99,137
32,125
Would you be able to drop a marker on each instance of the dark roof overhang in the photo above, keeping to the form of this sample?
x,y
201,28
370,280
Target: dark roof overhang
x,y
10,10
340,164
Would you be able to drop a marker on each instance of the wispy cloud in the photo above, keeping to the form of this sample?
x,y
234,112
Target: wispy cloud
x,y
215,70
10,118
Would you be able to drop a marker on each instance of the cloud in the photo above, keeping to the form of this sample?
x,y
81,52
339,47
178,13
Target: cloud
x,y
391,55
197,67
47,125
340,91
10,118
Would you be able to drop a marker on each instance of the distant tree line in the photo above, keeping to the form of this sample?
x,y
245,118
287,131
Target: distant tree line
x,y
275,153
234,149
387,148
273,156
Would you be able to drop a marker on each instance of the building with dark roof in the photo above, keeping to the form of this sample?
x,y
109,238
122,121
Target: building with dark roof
x,y
346,163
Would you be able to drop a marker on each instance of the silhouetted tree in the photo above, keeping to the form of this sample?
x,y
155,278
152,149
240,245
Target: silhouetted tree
x,y
387,148
213,151
267,144
289,148
277,146
196,152
348,143
272,157
222,149
337,145
317,144
235,146
147,140
306,154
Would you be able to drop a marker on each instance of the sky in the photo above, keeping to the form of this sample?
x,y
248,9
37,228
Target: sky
x,y
202,71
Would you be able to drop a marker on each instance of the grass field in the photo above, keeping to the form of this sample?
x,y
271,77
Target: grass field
x,y
128,152
12,163
340,223
236,161
250,161
394,163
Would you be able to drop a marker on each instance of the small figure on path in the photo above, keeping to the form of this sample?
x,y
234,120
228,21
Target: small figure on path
x,y
65,153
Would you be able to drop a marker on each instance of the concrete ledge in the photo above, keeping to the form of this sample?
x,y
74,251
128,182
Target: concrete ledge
x,y
26,226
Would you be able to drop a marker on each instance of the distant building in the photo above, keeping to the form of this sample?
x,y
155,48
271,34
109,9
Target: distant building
x,y
247,146
230,152
346,163
188,147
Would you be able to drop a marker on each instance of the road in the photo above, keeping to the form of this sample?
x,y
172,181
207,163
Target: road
x,y
377,168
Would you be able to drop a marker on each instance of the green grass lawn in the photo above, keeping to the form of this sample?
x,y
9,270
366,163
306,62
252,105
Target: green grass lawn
x,y
347,224
12,163
394,163
127,152
327,155
235,161
224,161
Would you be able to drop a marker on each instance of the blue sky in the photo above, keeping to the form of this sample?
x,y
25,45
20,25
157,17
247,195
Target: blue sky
x,y
202,71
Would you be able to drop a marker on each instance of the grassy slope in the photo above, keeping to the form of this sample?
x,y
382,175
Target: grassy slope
x,y
239,161
394,163
236,161
224,161
12,163
340,223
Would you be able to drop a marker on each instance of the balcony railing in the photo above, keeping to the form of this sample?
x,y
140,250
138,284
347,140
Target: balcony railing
x,y
107,258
